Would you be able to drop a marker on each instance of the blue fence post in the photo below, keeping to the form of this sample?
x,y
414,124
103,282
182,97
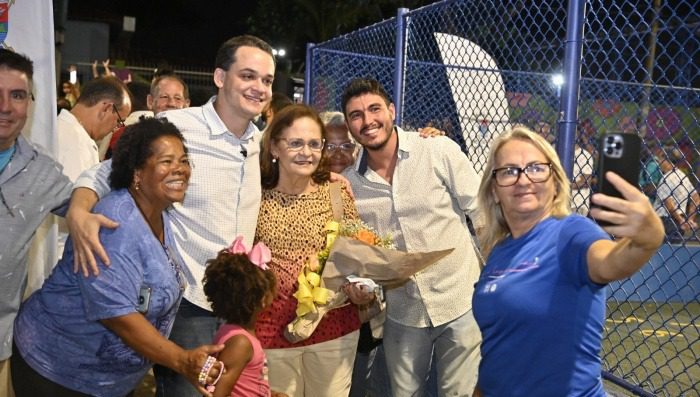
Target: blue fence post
x,y
400,62
568,105
308,73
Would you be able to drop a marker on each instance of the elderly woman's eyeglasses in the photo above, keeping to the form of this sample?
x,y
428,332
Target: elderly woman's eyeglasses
x,y
347,147
120,120
295,145
509,176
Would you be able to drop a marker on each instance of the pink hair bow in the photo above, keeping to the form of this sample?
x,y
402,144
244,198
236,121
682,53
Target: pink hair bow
x,y
260,255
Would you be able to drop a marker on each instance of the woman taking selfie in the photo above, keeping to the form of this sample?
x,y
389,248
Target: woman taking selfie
x,y
540,300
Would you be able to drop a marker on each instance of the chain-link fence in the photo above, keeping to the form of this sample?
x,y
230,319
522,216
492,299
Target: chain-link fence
x,y
571,72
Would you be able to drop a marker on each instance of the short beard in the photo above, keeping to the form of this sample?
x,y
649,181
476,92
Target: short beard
x,y
382,144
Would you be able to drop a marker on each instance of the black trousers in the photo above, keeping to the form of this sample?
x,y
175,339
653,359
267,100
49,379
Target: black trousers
x,y
29,383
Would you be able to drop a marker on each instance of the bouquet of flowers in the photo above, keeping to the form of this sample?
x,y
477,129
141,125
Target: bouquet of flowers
x,y
352,249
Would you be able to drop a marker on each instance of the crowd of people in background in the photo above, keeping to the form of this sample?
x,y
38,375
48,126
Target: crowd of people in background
x,y
161,200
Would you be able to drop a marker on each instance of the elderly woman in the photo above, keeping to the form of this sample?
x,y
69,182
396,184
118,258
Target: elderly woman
x,y
98,336
540,300
295,207
340,148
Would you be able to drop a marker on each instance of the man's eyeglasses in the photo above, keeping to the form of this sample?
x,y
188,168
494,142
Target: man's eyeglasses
x,y
120,120
295,145
347,147
509,176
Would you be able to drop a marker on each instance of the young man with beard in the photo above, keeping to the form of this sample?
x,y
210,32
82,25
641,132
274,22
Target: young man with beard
x,y
419,191
224,195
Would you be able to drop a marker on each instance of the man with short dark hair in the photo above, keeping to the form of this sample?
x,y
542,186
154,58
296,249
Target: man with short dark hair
x,y
31,186
224,196
419,191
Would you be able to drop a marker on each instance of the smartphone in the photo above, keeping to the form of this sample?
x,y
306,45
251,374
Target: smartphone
x,y
619,153
144,299
73,76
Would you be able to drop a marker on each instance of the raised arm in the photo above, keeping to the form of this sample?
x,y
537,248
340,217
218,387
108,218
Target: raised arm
x,y
638,229
95,74
141,336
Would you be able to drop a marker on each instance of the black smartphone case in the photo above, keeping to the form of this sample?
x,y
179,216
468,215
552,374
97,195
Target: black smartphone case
x,y
619,153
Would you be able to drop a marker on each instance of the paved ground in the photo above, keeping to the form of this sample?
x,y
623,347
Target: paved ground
x,y
148,389
657,346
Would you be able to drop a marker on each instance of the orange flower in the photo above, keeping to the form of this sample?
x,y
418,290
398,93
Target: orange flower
x,y
366,236
313,263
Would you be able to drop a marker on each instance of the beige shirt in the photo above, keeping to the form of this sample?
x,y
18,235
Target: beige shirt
x,y
434,188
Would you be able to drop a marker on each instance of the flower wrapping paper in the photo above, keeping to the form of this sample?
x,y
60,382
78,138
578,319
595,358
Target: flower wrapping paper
x,y
386,267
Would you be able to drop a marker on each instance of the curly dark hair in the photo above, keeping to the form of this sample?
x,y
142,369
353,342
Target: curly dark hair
x,y
134,148
236,287
269,171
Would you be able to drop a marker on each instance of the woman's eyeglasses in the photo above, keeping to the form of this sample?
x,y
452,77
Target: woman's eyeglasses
x,y
295,145
347,147
509,176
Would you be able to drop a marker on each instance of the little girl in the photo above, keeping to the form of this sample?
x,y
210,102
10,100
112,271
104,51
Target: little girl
x,y
239,287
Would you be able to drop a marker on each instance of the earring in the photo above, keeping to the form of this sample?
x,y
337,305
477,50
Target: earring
x,y
137,185
274,160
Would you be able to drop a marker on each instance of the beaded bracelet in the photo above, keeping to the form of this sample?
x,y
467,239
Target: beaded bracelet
x,y
211,387
205,370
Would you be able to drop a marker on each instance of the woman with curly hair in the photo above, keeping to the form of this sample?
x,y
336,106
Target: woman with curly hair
x,y
98,336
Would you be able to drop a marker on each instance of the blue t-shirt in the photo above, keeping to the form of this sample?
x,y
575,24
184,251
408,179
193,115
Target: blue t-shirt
x,y
540,315
57,330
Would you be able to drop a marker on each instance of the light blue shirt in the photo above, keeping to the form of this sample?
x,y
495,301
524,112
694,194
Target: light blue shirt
x,y
58,330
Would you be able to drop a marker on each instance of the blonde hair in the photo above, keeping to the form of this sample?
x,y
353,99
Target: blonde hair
x,y
495,228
